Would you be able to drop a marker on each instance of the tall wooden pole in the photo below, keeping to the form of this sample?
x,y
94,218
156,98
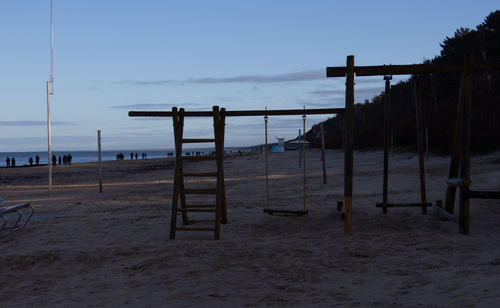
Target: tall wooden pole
x,y
323,157
348,149
420,144
387,139
455,147
100,158
464,206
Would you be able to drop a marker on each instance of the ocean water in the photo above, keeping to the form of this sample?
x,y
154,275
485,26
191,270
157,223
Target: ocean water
x,y
22,158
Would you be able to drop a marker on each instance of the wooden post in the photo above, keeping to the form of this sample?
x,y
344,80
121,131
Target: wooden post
x,y
323,157
348,148
387,139
100,159
218,153
175,193
427,151
464,209
222,128
420,141
392,143
449,203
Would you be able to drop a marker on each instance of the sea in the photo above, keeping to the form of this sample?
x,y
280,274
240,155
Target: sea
x,y
22,158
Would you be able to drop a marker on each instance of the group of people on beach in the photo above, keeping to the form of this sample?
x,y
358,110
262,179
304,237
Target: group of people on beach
x,y
65,159
11,162
121,156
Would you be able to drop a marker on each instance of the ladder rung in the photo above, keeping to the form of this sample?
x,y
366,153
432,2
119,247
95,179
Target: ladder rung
x,y
199,191
202,140
194,229
194,209
200,205
200,174
205,157
194,221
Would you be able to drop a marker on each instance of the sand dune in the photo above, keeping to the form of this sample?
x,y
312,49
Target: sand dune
x,y
85,248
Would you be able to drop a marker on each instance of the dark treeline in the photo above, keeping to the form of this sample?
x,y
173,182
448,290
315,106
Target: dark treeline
x,y
439,97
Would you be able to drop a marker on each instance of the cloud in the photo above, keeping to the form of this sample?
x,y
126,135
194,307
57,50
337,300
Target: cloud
x,y
307,75
33,123
144,106
152,106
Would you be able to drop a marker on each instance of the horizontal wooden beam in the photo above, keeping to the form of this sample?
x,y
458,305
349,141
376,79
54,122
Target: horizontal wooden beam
x,y
484,194
240,113
402,204
381,70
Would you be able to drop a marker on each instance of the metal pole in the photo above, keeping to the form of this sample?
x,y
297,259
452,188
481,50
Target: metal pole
x,y
300,150
100,159
323,158
267,165
304,148
49,142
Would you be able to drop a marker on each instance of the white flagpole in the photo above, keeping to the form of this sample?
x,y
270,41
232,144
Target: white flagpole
x,y
50,91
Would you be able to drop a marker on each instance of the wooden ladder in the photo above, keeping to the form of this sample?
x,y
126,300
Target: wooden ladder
x,y
180,192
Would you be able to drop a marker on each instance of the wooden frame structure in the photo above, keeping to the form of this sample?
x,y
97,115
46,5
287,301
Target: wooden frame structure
x,y
461,139
219,116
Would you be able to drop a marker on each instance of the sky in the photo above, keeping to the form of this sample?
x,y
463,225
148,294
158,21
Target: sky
x,y
114,56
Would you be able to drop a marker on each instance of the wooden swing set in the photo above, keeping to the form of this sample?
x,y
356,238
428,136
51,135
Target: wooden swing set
x,y
460,154
460,158
219,206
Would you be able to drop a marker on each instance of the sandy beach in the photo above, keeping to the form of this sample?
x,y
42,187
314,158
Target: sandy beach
x,y
85,249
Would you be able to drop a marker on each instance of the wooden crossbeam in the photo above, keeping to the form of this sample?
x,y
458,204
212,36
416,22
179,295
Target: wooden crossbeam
x,y
380,70
240,113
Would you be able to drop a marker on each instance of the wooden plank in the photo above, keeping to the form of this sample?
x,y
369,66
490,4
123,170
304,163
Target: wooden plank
x,y
198,140
348,149
387,139
283,212
241,113
199,191
200,174
198,210
412,69
382,205
475,194
195,229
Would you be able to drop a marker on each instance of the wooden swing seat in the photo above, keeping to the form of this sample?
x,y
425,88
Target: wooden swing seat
x,y
282,212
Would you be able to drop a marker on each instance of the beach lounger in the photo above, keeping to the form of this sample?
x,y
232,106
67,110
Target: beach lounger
x,y
24,211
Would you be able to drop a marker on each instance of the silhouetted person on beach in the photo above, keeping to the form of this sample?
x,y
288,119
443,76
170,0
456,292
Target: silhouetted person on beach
x,y
131,155
13,162
54,160
37,160
7,161
31,161
69,158
60,160
136,155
